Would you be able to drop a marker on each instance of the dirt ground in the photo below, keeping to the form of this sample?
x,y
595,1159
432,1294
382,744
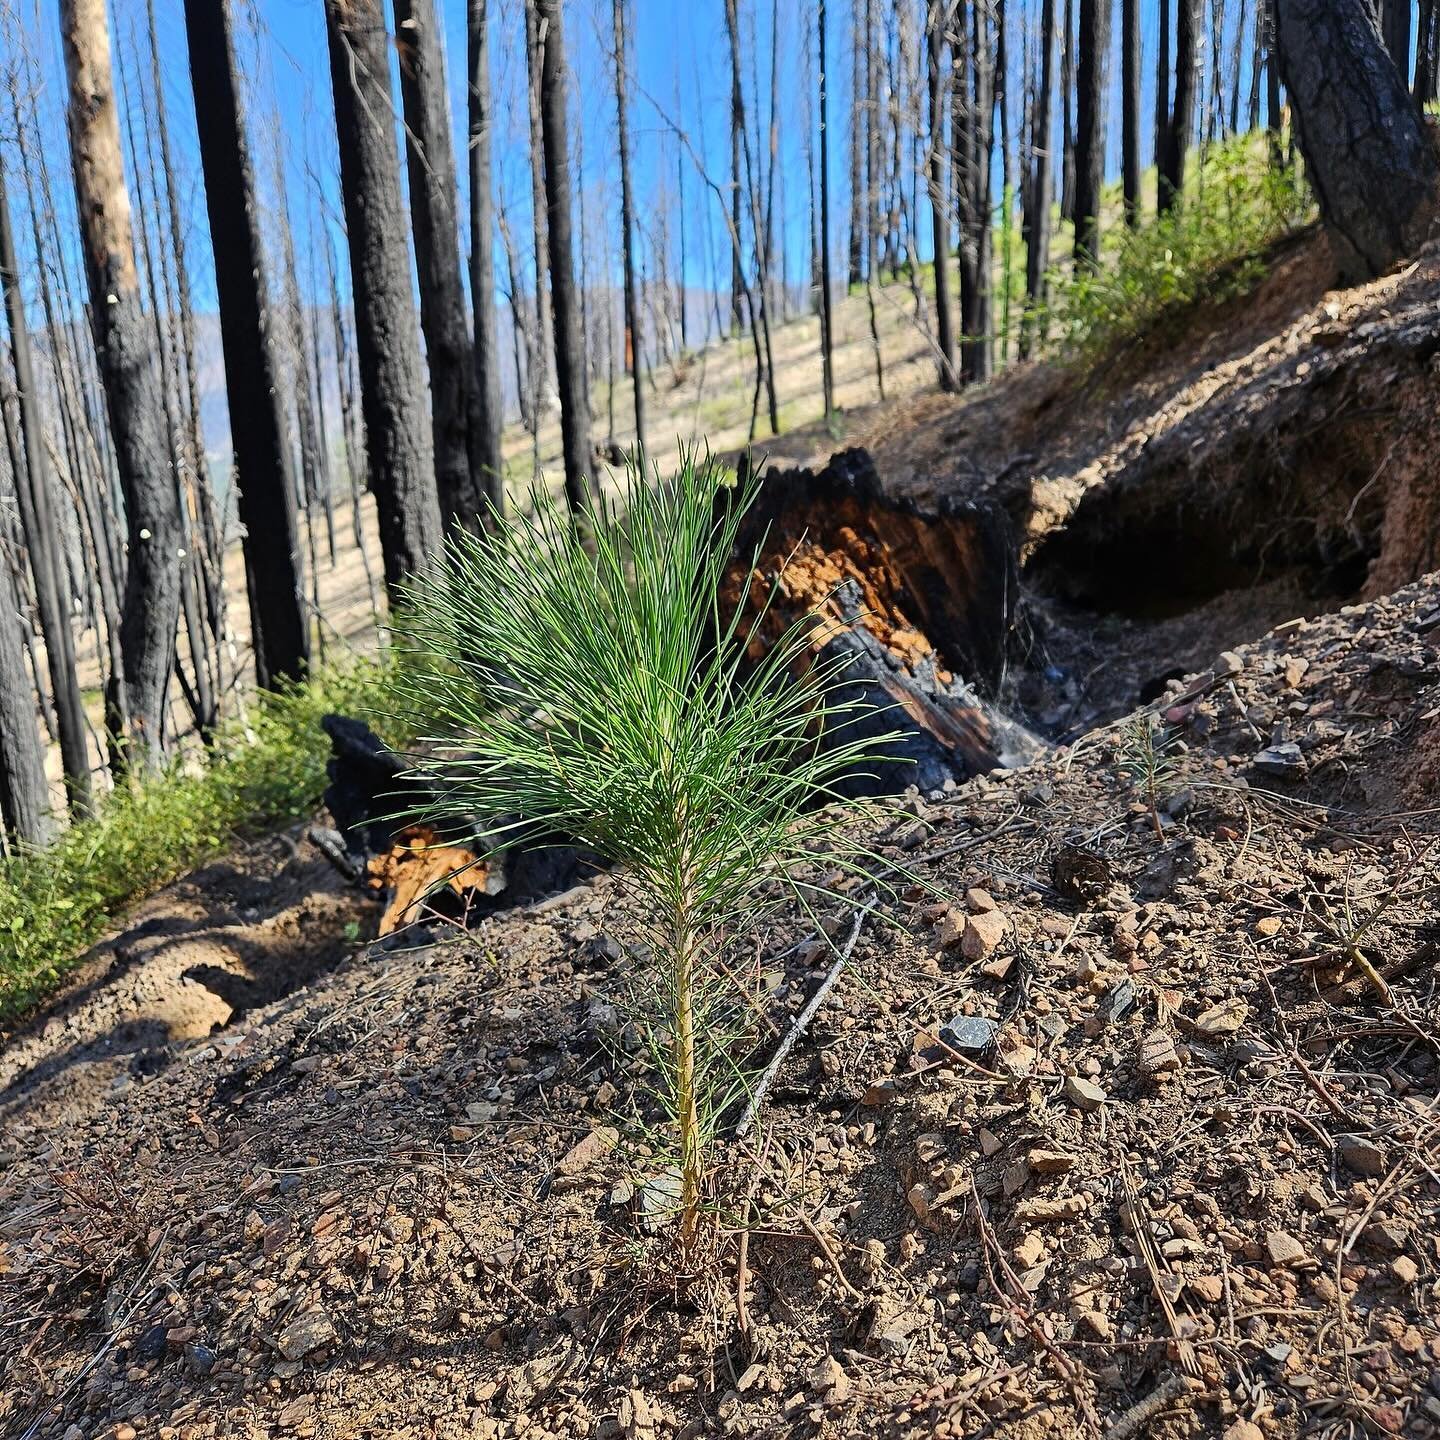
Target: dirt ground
x,y
1122,1120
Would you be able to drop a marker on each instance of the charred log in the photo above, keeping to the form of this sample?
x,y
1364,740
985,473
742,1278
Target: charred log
x,y
920,604
377,802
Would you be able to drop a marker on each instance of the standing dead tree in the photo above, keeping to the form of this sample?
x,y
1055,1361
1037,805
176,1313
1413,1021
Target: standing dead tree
x,y
34,490
398,444
578,450
485,451
263,473
433,219
131,379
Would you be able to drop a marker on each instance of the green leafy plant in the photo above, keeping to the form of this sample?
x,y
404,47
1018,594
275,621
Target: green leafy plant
x,y
265,770
594,683
1212,247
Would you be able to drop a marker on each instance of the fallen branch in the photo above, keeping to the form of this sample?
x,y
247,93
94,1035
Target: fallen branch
x,y
1010,1294
1136,1420
802,1021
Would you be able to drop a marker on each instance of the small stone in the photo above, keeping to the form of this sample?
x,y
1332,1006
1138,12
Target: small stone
x,y
979,902
461,1134
199,1359
1209,1288
921,1198
1267,926
658,1201
1050,1162
1031,1250
1229,663
830,1381
750,1377
1404,1269
1283,762
982,934
1385,1236
1019,1060
1041,1211
124,1432
1223,1019
254,1227
1244,1430
1158,1055
1119,997
1362,1155
1284,1249
990,1143
585,1153
970,1034
1085,1095
309,1332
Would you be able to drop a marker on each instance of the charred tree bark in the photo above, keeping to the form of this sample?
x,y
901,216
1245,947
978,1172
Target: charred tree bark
x,y
485,454
131,379
937,169
435,226
35,492
1395,17
1067,114
24,797
627,225
400,458
1090,137
1130,108
263,469
1037,252
977,231
827,334
1171,161
1367,155
580,484
855,272
541,391
1162,86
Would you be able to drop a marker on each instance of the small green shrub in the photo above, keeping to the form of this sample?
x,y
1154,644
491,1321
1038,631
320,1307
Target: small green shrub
x,y
1211,248
594,684
267,771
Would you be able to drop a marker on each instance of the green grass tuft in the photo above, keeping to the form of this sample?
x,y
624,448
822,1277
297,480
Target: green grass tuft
x,y
55,903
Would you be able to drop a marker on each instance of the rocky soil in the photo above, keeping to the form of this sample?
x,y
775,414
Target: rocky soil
x,y
1124,1133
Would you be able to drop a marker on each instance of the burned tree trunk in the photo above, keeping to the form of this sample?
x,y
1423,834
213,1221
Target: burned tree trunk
x,y
131,378
24,798
827,317
1090,126
1130,108
485,452
937,168
569,351
1037,252
1171,160
627,224
433,195
397,438
1372,166
35,493
263,472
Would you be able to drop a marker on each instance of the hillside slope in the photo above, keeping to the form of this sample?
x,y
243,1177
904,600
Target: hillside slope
x,y
1153,1150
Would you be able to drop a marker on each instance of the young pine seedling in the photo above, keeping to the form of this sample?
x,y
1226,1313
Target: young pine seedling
x,y
594,683
1145,757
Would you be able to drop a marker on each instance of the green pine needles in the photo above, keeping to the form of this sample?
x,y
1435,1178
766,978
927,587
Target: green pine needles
x,y
596,684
